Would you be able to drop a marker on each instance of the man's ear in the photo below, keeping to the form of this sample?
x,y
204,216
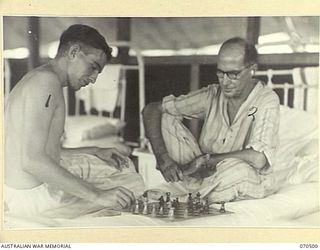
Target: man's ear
x,y
254,67
73,50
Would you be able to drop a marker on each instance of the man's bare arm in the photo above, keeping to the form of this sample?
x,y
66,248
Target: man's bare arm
x,y
36,161
152,114
254,158
152,123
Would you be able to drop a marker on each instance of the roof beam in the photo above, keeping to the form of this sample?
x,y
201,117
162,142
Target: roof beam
x,y
33,42
123,34
294,59
253,29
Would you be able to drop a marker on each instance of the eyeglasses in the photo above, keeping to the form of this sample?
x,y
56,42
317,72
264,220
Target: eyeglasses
x,y
232,75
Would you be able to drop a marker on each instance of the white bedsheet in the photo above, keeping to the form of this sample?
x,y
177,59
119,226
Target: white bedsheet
x,y
287,208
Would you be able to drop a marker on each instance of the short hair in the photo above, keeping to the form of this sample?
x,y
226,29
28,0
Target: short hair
x,y
250,51
84,35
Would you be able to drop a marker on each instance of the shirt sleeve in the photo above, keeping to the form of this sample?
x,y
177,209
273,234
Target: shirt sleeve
x,y
193,105
265,128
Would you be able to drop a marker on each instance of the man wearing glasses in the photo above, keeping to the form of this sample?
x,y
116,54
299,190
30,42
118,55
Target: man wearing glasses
x,y
234,155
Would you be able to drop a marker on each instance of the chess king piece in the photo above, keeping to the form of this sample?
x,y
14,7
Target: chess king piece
x,y
222,209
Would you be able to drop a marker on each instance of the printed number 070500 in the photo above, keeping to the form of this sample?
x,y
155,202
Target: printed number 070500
x,y
308,245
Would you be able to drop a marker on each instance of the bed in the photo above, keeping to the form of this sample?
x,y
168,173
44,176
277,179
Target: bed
x,y
295,204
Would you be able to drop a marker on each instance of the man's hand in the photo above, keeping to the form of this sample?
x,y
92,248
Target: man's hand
x,y
169,169
113,157
115,198
201,167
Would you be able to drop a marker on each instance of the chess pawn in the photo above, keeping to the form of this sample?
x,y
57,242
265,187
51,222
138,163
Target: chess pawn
x,y
161,212
153,211
222,209
171,213
136,209
186,213
145,208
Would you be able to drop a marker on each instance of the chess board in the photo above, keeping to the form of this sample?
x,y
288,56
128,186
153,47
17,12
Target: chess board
x,y
181,211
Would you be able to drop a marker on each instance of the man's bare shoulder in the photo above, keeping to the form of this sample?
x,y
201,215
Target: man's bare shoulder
x,y
41,79
38,87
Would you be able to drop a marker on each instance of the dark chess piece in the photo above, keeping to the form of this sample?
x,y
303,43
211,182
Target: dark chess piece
x,y
206,206
174,203
161,205
198,198
222,209
190,200
161,201
177,201
168,197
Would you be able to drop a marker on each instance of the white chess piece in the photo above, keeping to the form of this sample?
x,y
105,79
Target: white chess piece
x,y
153,211
136,209
171,213
145,208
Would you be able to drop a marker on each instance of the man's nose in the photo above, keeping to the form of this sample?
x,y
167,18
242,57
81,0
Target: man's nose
x,y
225,80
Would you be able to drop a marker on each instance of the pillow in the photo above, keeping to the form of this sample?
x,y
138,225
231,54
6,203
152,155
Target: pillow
x,y
296,124
90,127
297,130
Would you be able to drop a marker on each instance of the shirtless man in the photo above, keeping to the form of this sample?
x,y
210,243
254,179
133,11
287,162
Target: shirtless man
x,y
34,124
239,135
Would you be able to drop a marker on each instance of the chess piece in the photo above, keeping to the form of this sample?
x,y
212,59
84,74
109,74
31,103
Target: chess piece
x,y
153,211
161,212
177,201
186,213
145,207
161,201
171,213
222,209
198,198
174,203
206,206
190,200
168,197
169,204
136,208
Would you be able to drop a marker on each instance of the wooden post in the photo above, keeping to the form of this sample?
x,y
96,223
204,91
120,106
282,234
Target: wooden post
x,y
33,42
123,34
253,29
